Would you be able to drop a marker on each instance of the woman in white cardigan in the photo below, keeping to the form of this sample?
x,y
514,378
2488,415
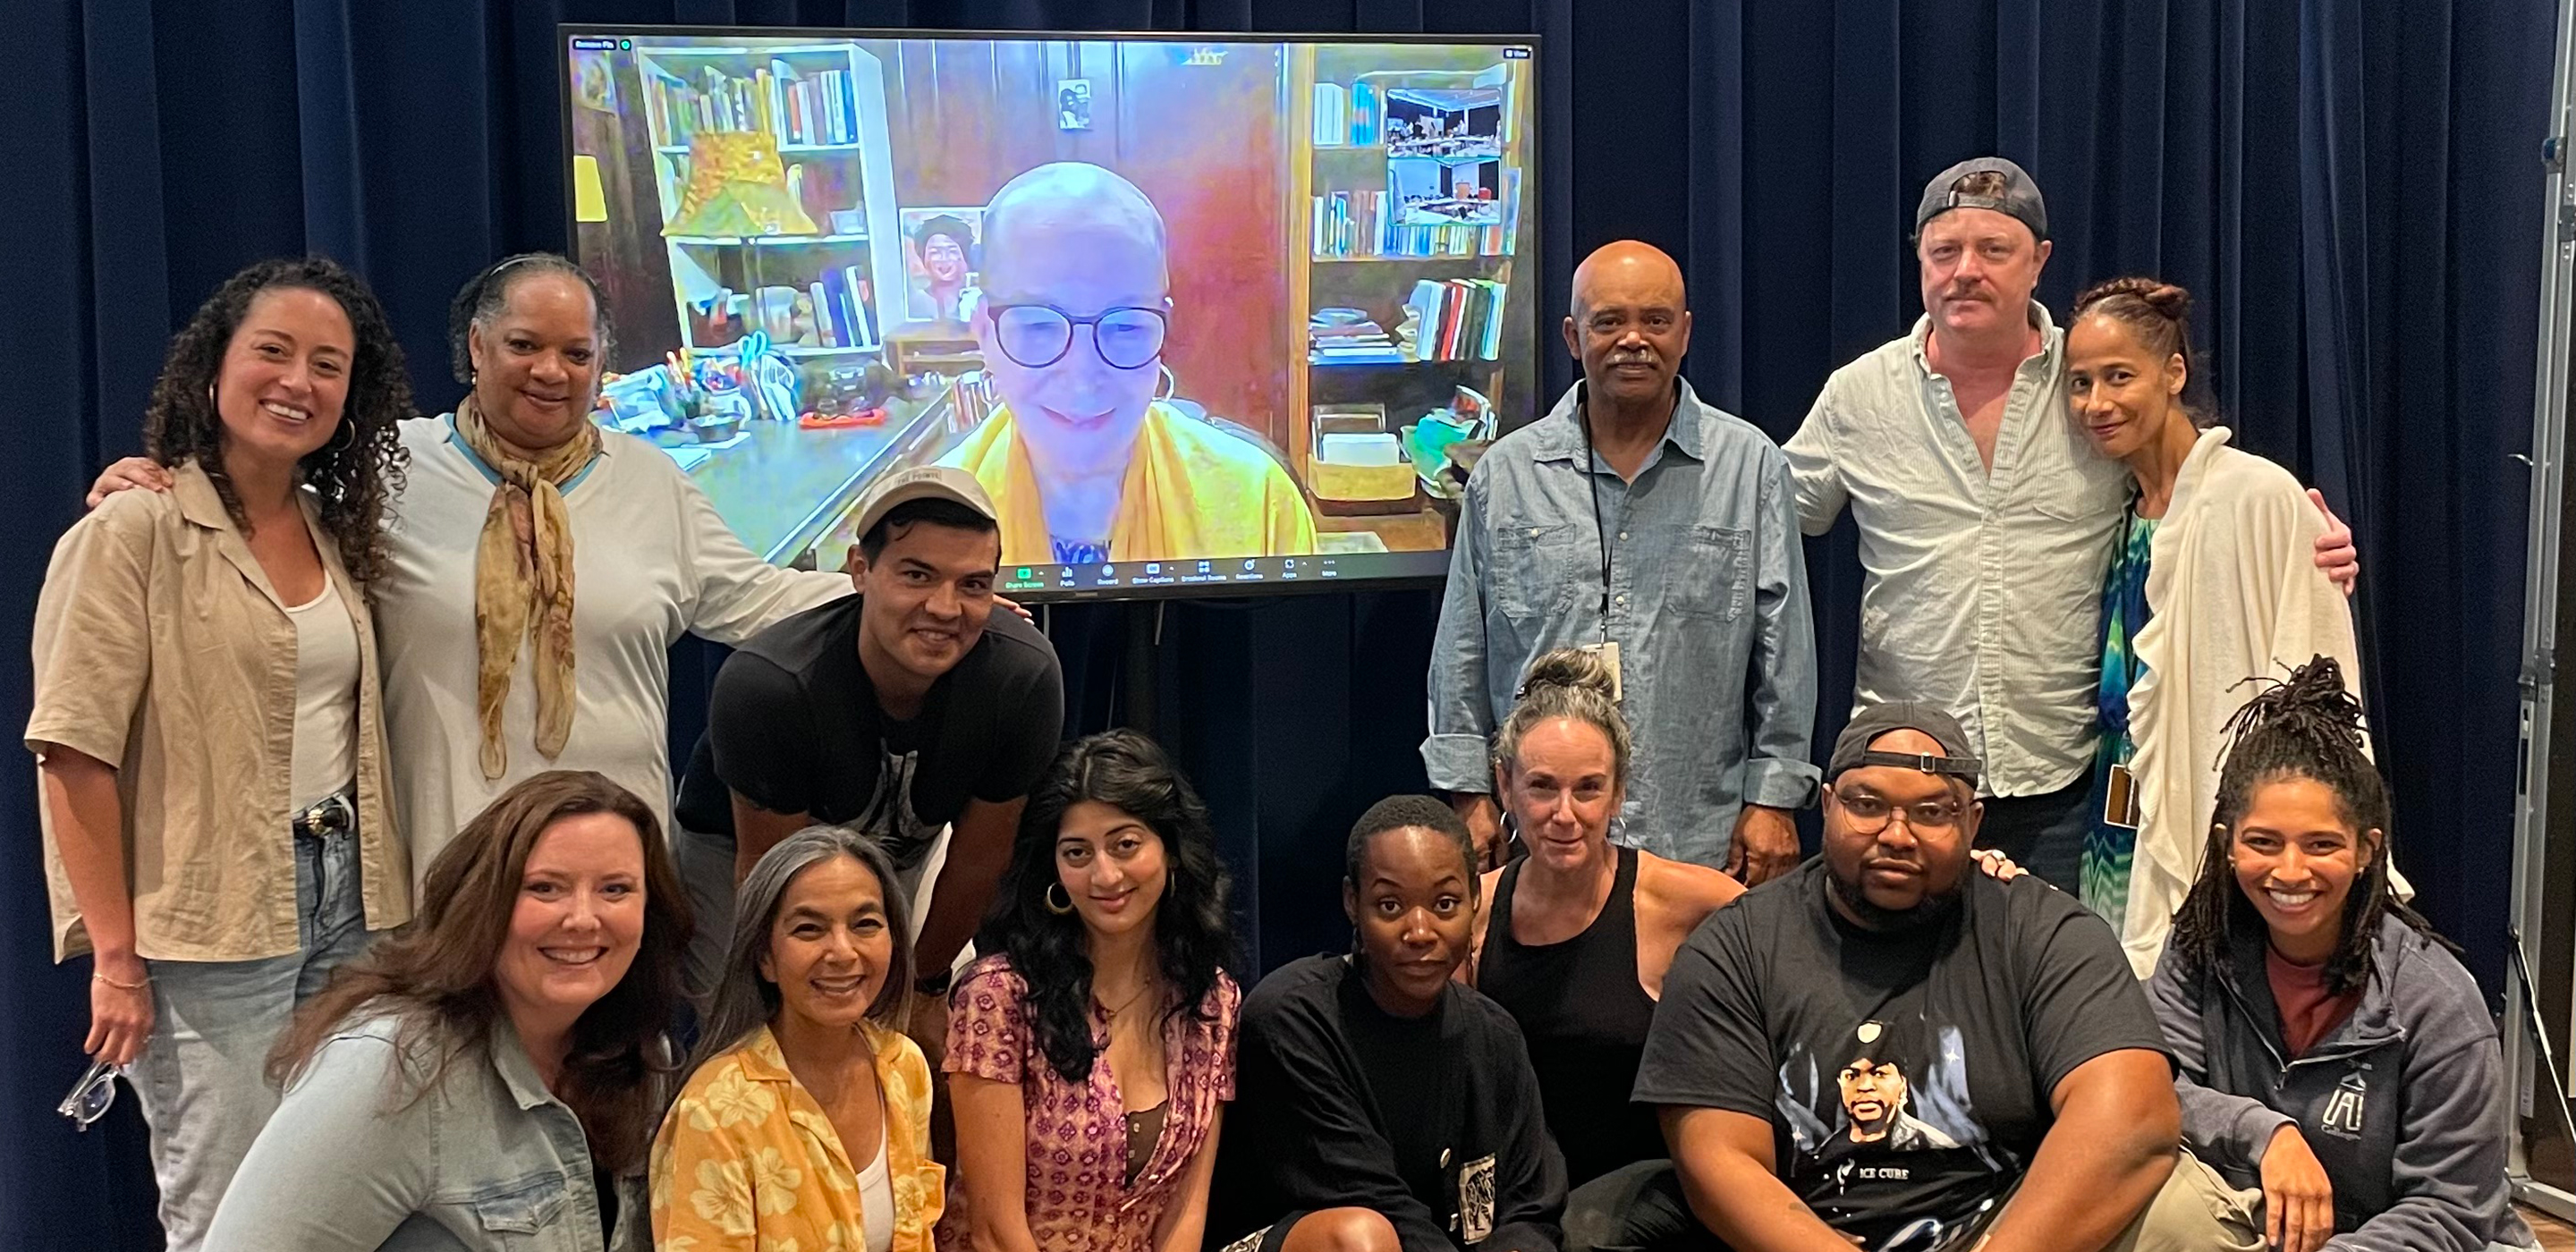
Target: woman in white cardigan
x,y
2214,583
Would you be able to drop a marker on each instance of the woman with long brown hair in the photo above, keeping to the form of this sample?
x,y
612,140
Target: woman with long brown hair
x,y
495,1072
207,719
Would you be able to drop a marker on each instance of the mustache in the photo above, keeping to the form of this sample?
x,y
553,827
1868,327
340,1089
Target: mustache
x,y
1931,910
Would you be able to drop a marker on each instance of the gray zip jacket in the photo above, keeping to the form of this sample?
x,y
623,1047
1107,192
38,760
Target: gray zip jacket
x,y
2404,1103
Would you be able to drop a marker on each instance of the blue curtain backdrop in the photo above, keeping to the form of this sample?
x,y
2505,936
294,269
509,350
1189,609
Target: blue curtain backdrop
x,y
2351,187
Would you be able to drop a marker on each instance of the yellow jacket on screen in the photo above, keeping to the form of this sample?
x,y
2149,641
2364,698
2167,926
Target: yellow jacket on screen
x,y
1192,491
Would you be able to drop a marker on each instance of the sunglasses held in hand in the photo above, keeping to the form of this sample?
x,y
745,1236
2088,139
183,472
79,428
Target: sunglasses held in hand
x,y
92,1096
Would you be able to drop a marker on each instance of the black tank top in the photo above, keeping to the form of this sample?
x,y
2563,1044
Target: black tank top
x,y
1585,1019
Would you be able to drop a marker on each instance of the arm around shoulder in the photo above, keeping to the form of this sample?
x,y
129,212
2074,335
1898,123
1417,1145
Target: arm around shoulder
x,y
733,593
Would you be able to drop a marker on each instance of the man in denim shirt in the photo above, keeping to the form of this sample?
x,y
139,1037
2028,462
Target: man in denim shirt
x,y
1637,518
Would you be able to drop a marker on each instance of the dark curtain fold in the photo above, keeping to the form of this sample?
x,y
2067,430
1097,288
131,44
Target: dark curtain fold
x,y
2350,187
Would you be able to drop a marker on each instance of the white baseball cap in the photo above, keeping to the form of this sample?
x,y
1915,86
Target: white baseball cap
x,y
922,482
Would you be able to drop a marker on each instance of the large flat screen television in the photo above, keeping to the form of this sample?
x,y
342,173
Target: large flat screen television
x,y
1205,315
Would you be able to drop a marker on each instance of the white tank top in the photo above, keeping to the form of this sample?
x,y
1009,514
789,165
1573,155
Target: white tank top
x,y
326,696
876,1197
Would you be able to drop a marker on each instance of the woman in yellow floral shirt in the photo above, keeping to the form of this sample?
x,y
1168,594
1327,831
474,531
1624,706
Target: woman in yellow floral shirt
x,y
805,1126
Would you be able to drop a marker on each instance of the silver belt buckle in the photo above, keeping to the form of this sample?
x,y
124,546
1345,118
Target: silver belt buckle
x,y
317,819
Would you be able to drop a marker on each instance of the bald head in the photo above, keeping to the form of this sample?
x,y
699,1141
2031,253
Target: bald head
x,y
1077,301
1065,205
1629,327
1627,267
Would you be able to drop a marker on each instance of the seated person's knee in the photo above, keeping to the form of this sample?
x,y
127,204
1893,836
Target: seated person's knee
x,y
1342,1230
2195,1209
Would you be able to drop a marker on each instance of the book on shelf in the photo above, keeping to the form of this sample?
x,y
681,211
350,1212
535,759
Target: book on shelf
x,y
1365,107
827,325
1348,225
810,108
1457,319
1351,224
1350,343
1370,354
1332,110
844,316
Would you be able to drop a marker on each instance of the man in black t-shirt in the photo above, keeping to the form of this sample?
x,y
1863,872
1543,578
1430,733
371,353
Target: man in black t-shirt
x,y
1885,1049
905,711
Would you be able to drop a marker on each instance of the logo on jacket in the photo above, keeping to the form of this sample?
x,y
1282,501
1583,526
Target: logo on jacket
x,y
1476,1200
2346,1107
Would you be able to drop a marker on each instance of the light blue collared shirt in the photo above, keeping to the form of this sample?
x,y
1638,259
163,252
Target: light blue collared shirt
x,y
1707,602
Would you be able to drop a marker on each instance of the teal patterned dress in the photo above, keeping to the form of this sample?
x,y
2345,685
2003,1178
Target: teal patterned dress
x,y
2124,613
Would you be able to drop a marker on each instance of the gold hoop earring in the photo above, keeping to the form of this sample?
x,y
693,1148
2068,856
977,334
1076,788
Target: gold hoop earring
x,y
1060,910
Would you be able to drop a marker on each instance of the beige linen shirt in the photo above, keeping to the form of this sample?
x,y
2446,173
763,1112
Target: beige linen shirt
x,y
161,648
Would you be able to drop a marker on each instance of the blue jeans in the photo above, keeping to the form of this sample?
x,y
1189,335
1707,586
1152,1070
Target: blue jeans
x,y
202,1080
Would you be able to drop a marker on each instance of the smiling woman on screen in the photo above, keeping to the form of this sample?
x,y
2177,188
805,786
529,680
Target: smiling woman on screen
x,y
1086,462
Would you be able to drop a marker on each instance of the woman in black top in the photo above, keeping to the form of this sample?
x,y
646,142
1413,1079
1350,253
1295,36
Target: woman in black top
x,y
1396,1106
1575,944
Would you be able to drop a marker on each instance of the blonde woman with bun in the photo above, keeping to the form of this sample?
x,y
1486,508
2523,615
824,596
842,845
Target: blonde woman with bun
x,y
2214,582
1576,936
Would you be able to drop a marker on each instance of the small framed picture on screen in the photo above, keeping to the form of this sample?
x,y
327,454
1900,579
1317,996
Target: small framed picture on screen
x,y
1073,104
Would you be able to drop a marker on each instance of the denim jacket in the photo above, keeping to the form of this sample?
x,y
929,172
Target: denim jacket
x,y
1706,596
484,1160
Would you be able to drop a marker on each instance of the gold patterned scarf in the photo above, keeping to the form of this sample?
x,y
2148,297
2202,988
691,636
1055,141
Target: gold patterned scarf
x,y
523,582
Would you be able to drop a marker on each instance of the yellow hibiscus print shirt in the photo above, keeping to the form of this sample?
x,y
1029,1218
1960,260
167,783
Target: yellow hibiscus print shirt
x,y
747,1161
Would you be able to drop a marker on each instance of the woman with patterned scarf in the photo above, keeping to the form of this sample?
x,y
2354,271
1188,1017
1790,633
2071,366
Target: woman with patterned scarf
x,y
539,567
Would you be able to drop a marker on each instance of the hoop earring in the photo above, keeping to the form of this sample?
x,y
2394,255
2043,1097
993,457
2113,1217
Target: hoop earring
x,y
342,439
1167,385
1060,910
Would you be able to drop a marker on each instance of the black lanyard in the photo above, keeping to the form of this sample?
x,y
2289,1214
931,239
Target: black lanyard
x,y
1592,483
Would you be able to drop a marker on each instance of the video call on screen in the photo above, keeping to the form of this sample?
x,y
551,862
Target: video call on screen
x,y
1241,318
